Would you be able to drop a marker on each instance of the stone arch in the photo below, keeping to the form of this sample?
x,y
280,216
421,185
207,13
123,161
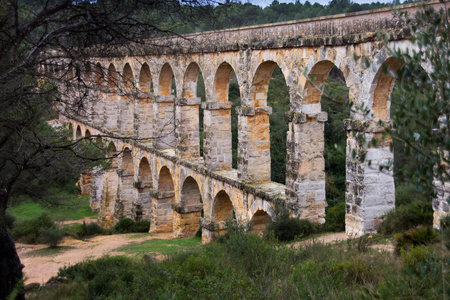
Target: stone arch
x,y
87,133
78,133
165,80
162,216
145,79
127,77
259,221
127,161
188,214
113,77
223,208
222,82
99,75
190,192
382,87
145,174
260,83
190,80
123,207
113,153
143,205
318,75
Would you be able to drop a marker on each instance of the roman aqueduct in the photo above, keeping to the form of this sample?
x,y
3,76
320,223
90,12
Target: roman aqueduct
x,y
160,174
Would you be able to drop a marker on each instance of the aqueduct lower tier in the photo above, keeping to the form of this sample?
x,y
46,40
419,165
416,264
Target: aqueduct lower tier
x,y
161,176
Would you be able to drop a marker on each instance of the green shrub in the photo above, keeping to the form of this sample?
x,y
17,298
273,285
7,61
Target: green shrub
x,y
28,231
421,235
335,218
10,219
51,236
233,228
416,255
128,225
90,229
445,231
406,217
406,193
286,228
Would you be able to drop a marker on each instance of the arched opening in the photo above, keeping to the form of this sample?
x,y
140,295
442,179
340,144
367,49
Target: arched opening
x,y
278,98
221,131
99,140
145,79
113,77
334,101
187,215
162,216
322,166
384,84
267,140
142,207
78,133
128,81
189,116
166,79
190,80
190,193
124,207
127,162
391,84
164,124
113,154
222,210
99,75
87,133
259,221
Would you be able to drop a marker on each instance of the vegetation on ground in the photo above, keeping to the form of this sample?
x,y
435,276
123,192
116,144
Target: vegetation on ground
x,y
246,267
159,246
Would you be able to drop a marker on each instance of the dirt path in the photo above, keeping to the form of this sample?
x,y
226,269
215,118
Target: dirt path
x,y
39,268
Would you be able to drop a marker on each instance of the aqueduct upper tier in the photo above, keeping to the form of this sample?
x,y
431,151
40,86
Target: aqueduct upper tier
x,y
145,99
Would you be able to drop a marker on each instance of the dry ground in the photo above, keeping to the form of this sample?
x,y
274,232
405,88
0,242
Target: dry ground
x,y
39,268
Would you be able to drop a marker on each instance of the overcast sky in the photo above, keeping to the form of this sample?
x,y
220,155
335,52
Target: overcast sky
x,y
264,3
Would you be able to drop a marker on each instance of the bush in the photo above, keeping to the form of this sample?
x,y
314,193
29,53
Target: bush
x,y
421,235
406,217
128,225
51,236
445,231
335,218
417,255
406,193
10,219
285,228
90,229
28,231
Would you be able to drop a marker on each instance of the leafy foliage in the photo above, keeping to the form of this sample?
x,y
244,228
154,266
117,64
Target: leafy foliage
x,y
51,236
29,231
406,217
287,228
128,225
420,235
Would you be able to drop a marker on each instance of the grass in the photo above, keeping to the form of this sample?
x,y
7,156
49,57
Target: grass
x,y
72,207
50,251
139,235
161,246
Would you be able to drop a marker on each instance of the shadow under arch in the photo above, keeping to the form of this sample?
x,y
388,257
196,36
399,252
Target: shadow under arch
x,y
142,207
222,210
190,210
162,202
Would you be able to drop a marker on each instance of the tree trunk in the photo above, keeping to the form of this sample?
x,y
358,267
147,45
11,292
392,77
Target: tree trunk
x,y
10,265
